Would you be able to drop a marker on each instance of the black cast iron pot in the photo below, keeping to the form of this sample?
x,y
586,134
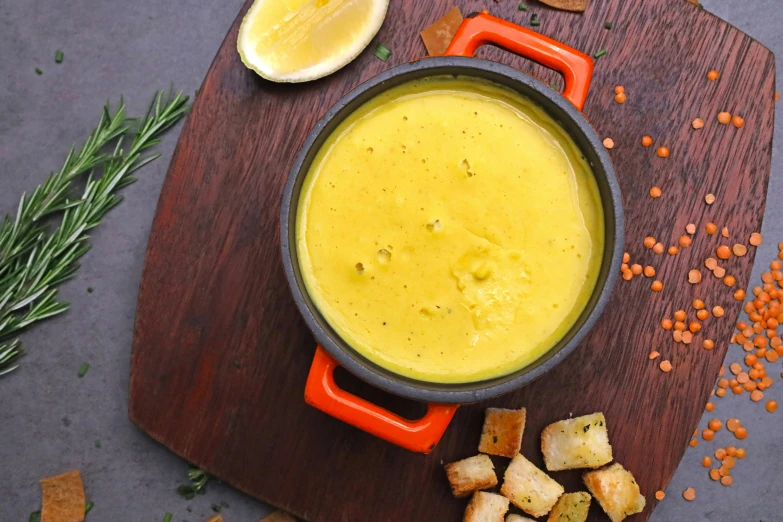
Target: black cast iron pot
x,y
475,31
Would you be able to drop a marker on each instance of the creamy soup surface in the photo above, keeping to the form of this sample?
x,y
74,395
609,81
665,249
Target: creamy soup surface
x,y
450,231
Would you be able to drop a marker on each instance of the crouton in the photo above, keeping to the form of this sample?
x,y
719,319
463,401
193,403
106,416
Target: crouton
x,y
571,507
471,474
518,518
502,434
581,442
278,516
529,488
486,507
616,491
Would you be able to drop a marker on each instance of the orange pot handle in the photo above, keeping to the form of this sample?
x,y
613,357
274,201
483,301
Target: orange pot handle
x,y
323,393
481,29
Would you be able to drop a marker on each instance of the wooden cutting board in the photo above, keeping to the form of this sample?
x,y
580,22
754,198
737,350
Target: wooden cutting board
x,y
221,355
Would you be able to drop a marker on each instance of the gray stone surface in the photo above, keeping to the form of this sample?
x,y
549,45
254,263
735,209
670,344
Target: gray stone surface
x,y
49,418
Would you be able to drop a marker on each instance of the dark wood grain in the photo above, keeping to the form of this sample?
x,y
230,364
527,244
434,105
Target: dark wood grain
x,y
213,289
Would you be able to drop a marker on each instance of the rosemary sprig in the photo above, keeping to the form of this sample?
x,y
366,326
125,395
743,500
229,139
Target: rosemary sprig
x,y
37,255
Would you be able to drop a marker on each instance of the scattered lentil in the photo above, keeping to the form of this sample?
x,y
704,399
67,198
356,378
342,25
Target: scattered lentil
x,y
690,228
662,152
609,143
694,276
724,118
646,141
658,248
708,344
718,311
755,239
729,280
649,271
709,199
689,494
685,241
654,355
659,495
636,269
738,122
620,97
713,75
673,250
719,272
723,252
665,366
698,123
667,324
739,250
655,192
716,425
711,263
771,406
726,481
707,435
724,232
649,241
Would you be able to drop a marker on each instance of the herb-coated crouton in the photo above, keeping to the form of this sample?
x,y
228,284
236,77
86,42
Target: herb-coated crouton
x,y
469,475
581,442
486,507
571,507
529,488
616,491
502,434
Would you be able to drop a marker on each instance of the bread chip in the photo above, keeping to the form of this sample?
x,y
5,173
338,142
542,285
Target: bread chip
x,y
486,507
471,474
529,488
581,442
216,518
567,5
502,434
438,36
278,516
518,518
570,507
63,498
616,491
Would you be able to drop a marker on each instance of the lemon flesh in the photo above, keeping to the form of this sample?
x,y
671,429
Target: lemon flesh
x,y
301,40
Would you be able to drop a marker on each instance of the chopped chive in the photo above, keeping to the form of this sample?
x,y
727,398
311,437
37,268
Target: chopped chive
x,y
167,517
83,370
600,53
38,71
35,516
555,86
88,507
522,6
383,52
58,56
216,508
535,22
608,25
97,443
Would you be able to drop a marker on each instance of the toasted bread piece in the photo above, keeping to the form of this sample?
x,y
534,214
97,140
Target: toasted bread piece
x,y
570,507
616,491
502,434
518,518
486,507
471,474
529,488
581,442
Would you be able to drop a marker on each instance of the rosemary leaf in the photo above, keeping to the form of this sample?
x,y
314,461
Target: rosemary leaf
x,y
41,244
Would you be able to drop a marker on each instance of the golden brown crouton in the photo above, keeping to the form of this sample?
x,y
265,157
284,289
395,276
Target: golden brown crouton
x,y
502,434
486,507
518,518
469,475
616,491
529,488
581,442
570,507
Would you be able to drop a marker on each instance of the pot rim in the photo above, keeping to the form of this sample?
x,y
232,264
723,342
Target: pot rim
x,y
454,393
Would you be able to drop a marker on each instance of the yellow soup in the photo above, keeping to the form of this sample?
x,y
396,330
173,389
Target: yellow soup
x,y
450,231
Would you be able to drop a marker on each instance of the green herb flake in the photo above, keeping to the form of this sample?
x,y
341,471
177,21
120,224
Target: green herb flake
x,y
88,507
35,516
83,370
586,428
58,56
600,53
216,508
522,6
89,290
186,492
608,26
167,517
555,86
97,443
38,71
236,363
534,21
383,52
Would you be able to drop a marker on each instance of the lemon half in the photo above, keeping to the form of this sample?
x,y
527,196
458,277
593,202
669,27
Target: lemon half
x,y
301,40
